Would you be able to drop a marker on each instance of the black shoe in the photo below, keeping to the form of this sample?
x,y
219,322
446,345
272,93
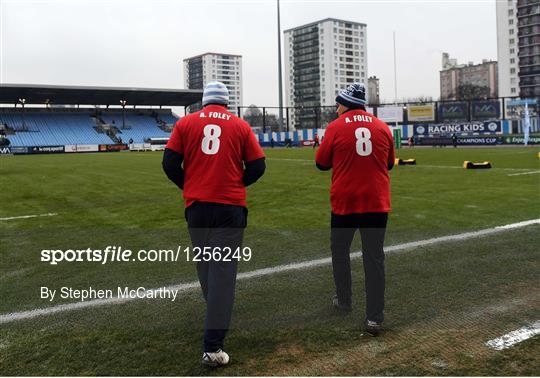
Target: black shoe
x,y
340,307
373,328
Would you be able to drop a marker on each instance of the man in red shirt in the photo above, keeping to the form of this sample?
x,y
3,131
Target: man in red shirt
x,y
221,156
359,148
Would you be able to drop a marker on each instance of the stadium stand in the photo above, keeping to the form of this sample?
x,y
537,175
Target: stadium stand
x,y
168,118
139,127
49,115
56,128
41,129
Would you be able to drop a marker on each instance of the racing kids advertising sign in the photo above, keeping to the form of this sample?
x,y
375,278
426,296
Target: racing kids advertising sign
x,y
457,128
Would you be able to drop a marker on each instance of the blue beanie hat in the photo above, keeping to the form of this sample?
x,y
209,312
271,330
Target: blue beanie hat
x,y
215,93
352,97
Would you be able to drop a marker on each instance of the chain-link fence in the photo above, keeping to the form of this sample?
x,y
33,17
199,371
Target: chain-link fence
x,y
270,119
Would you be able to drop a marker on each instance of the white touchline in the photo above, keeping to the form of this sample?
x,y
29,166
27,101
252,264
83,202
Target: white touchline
x,y
14,316
29,216
454,167
411,166
514,337
524,173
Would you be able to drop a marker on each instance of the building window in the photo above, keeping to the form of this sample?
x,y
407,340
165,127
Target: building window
x,y
511,31
512,60
512,90
511,21
512,70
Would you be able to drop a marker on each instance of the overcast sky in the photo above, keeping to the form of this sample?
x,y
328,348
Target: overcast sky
x,y
141,43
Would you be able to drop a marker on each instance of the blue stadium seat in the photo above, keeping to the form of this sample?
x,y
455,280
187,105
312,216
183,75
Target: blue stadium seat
x,y
50,129
138,127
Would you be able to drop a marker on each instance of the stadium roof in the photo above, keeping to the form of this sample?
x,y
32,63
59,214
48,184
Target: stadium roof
x,y
76,95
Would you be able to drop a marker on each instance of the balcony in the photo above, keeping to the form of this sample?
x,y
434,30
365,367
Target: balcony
x,y
526,3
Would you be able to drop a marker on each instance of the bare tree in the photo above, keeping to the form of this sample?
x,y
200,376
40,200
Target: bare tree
x,y
253,115
471,92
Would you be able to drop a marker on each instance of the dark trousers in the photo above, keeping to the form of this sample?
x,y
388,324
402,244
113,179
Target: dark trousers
x,y
372,228
216,225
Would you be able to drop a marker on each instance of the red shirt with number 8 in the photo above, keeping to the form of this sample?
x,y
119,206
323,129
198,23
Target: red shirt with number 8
x,y
215,144
359,148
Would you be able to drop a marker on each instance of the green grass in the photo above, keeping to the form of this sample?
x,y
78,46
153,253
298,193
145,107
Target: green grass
x,y
282,324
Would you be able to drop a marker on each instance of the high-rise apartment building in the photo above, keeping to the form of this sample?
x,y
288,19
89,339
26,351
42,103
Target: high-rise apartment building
x,y
226,68
455,76
528,38
507,48
321,58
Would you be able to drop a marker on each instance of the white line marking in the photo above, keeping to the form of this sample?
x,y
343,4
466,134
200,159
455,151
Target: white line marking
x,y
29,216
524,173
519,224
460,167
410,166
14,316
514,337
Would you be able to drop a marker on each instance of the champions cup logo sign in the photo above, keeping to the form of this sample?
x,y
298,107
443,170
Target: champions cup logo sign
x,y
478,141
420,129
486,109
458,111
